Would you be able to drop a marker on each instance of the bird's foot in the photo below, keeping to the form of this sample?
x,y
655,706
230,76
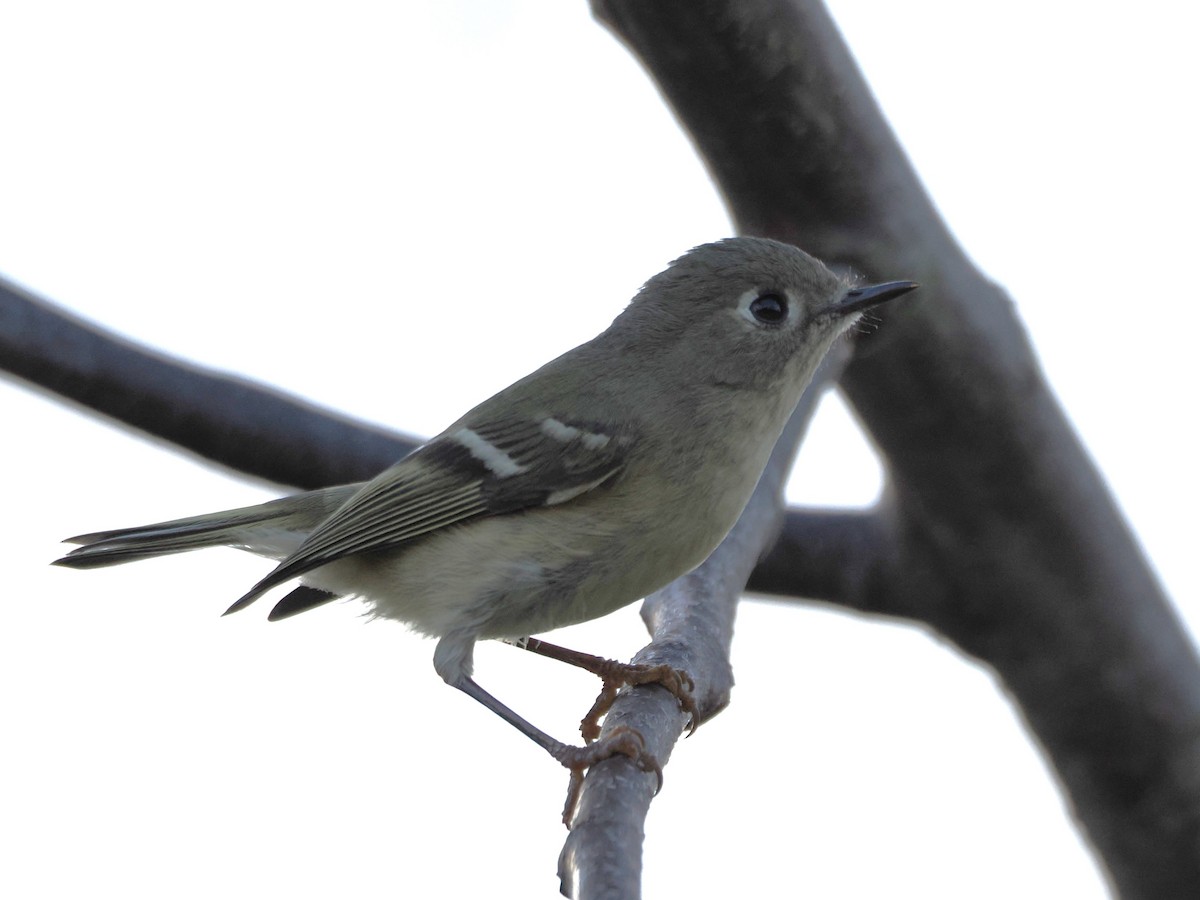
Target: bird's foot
x,y
621,740
616,675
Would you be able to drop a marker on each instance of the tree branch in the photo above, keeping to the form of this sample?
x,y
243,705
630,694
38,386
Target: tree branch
x,y
1007,540
223,418
997,529
820,554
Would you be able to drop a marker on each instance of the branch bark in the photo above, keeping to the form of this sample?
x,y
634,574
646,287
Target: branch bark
x,y
996,529
1000,532
222,418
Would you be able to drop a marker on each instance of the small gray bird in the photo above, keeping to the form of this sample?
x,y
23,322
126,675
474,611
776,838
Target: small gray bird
x,y
584,486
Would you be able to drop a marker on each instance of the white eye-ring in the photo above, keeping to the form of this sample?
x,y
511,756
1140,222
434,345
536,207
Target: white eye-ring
x,y
765,308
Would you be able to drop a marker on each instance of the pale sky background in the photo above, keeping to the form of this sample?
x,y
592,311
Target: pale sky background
x,y
397,209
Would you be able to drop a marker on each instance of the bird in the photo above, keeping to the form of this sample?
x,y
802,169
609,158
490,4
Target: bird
x,y
581,488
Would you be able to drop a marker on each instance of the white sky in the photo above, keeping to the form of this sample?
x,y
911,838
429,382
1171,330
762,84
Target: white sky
x,y
397,213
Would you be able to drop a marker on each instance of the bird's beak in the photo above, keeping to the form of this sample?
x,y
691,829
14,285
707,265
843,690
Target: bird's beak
x,y
863,298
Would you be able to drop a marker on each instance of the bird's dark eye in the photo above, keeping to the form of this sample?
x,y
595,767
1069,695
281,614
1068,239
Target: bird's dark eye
x,y
770,309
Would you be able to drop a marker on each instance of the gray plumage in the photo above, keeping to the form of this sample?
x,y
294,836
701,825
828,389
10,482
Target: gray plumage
x,y
586,485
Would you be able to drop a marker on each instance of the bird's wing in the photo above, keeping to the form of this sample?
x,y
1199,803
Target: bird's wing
x,y
485,468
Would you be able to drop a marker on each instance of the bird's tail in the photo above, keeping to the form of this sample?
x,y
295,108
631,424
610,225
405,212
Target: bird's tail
x,y
270,529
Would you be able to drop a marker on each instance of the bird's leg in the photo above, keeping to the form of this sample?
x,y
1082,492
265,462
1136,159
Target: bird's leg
x,y
622,740
614,676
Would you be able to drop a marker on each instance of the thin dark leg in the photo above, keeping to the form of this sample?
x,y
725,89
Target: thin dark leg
x,y
552,746
624,741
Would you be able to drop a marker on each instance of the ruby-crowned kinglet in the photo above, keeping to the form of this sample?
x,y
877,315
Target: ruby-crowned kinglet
x,y
596,480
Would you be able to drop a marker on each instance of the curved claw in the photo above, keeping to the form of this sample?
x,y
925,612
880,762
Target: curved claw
x,y
616,675
621,740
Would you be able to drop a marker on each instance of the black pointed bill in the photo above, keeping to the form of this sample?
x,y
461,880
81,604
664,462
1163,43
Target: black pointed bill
x,y
863,298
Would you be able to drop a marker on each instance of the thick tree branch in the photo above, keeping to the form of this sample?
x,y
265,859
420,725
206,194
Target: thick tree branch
x,y
820,554
997,530
223,418
1009,542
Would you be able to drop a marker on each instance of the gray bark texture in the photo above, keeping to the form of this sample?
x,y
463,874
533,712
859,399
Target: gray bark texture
x,y
995,530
